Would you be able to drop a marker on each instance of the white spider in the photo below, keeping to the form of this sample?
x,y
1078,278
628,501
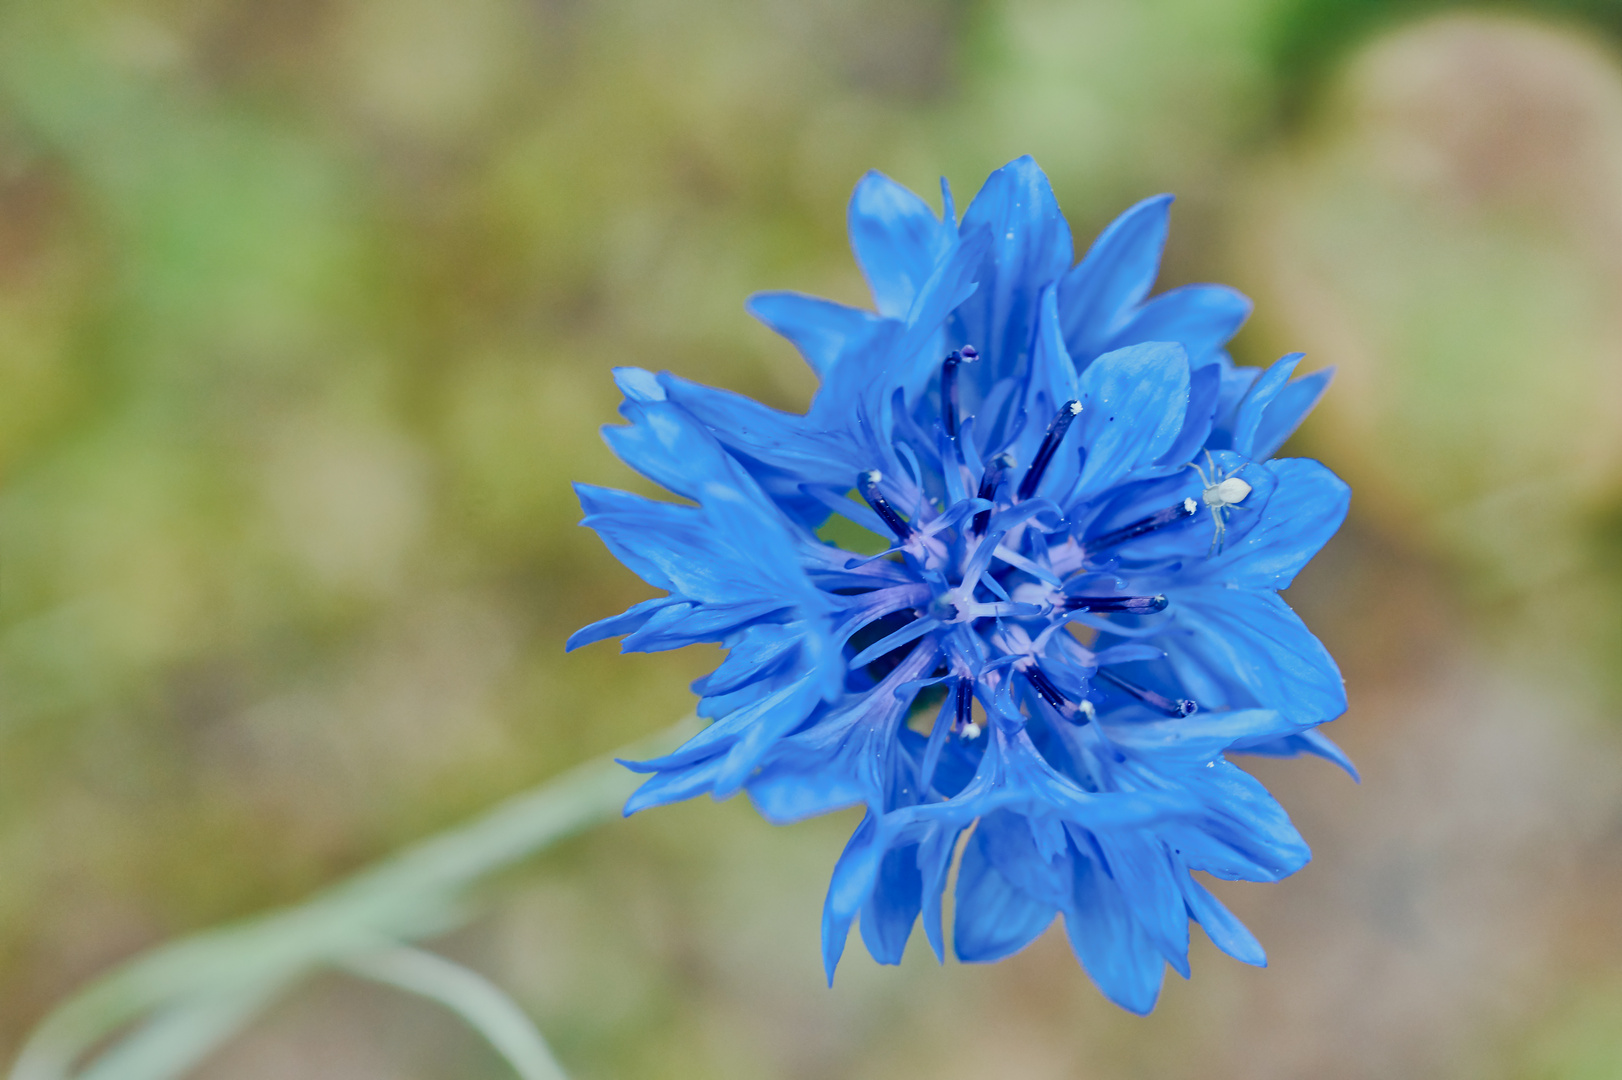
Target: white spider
x,y
1220,495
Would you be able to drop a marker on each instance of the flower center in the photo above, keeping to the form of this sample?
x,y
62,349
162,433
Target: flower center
x,y
994,586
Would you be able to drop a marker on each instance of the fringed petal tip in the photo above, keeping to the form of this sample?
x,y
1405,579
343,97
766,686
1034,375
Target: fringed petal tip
x,y
833,948
1316,743
638,384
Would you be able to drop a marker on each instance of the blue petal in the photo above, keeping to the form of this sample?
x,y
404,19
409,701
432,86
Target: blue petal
x,y
632,619
821,329
1052,380
756,652
892,909
852,882
669,446
849,427
786,488
1204,390
1143,871
1110,944
1225,931
794,787
1256,402
993,919
1134,402
688,624
769,682
840,759
739,733
1317,743
616,507
935,862
852,420
1237,648
1201,318
1052,383
1306,508
897,240
1030,247
1011,841
665,788
1312,742
1098,294
1287,411
775,721
1196,739
1236,383
1248,836
778,439
638,384
676,548
955,280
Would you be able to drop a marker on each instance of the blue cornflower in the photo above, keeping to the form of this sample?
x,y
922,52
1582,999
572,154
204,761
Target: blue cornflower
x,y
1075,613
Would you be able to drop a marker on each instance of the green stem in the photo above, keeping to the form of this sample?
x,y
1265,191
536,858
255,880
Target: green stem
x,y
472,997
420,892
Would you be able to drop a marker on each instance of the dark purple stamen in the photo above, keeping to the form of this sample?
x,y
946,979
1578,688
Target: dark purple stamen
x,y
1044,686
1180,707
1137,605
988,486
965,703
1050,446
966,355
868,485
1157,520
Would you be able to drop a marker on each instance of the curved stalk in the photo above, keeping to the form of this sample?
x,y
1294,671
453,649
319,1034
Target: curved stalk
x,y
185,998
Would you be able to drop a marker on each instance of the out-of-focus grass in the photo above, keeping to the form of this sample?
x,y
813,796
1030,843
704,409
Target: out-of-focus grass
x,y
1580,1040
306,313
1309,38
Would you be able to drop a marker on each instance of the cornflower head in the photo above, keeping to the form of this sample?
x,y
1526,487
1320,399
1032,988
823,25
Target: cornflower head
x,y
1075,613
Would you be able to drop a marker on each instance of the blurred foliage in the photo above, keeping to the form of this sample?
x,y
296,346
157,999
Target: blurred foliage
x,y
1449,237
1582,1041
1310,37
306,314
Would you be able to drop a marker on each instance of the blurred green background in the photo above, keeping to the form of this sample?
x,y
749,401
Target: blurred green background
x,y
306,315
